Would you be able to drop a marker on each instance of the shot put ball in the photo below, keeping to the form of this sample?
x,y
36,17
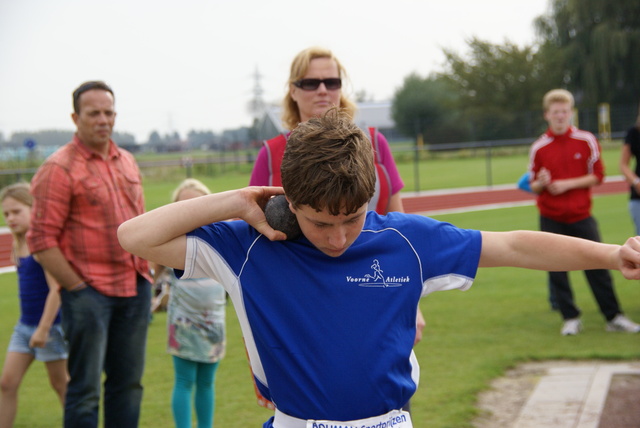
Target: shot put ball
x,y
280,217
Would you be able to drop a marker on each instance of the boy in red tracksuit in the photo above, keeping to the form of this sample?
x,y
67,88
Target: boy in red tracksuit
x,y
564,164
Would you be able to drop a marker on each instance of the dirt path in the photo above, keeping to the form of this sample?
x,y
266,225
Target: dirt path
x,y
500,405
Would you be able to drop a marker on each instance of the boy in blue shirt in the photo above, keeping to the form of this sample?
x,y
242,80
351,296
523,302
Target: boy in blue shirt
x,y
329,318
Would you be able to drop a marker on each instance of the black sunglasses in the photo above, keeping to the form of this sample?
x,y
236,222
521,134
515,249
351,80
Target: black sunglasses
x,y
313,84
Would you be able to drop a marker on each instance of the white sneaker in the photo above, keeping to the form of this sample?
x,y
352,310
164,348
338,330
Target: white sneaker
x,y
622,323
571,327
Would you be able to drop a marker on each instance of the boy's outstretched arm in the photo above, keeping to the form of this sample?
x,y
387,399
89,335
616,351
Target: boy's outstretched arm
x,y
553,252
159,235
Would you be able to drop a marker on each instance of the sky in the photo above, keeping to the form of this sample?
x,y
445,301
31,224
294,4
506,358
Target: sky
x,y
184,65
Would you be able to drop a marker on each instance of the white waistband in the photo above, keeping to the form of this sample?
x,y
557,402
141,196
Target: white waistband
x,y
282,420
393,419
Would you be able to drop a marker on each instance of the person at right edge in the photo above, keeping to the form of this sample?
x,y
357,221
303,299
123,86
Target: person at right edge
x,y
564,164
631,149
315,86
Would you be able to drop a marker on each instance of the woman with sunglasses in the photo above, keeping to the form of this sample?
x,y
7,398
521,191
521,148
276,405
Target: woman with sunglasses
x,y
315,86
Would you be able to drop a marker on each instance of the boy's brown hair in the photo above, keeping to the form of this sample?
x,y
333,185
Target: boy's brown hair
x,y
328,164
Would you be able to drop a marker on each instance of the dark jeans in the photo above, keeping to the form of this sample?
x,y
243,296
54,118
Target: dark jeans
x,y
110,334
599,279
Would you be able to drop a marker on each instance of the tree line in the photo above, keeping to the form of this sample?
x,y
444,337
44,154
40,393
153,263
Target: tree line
x,y
590,47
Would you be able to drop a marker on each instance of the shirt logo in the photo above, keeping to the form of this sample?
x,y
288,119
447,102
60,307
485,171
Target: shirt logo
x,y
377,279
577,156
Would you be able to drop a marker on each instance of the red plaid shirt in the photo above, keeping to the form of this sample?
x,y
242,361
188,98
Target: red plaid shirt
x,y
80,199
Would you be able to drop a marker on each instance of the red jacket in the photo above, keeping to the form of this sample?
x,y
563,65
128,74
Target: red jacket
x,y
573,154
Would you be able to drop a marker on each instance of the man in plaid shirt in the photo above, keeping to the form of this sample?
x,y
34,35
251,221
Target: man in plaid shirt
x,y
82,193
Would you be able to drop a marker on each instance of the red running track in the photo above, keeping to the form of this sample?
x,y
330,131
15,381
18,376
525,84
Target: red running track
x,y
432,203
463,199
5,249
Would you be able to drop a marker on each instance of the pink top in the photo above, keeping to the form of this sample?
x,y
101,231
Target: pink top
x,y
260,173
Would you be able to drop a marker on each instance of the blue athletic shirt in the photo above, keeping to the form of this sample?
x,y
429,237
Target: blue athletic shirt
x,y
331,338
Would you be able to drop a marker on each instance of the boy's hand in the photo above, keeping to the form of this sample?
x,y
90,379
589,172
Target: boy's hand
x,y
256,199
630,258
544,176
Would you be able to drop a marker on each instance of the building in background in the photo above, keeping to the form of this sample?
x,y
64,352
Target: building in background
x,y
371,113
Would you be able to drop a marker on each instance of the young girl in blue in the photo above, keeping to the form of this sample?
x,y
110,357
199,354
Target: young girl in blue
x,y
37,335
196,334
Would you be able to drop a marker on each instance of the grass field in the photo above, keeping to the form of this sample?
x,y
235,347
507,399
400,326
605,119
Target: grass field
x,y
445,172
470,338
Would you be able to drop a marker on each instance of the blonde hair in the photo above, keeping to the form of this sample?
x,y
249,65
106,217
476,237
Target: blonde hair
x,y
19,192
299,67
191,184
557,96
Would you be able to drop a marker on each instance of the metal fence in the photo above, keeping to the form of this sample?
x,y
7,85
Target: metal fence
x,y
622,117
219,164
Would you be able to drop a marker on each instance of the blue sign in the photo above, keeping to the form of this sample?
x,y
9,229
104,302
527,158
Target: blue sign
x,y
30,143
